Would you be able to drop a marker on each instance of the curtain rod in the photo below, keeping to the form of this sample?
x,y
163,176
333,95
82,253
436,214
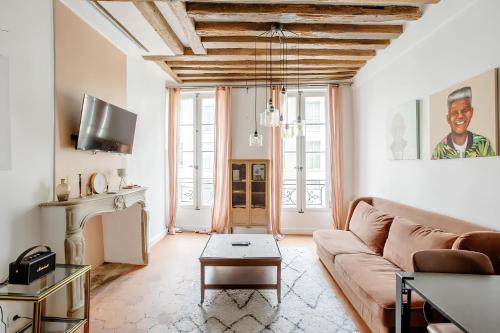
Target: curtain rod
x,y
251,85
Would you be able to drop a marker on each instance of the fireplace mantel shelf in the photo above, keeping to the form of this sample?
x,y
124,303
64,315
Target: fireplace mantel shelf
x,y
90,198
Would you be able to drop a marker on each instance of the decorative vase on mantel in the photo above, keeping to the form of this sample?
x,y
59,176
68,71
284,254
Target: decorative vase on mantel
x,y
62,190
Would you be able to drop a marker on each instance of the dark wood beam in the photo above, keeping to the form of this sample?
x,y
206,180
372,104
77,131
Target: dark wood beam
x,y
218,42
310,63
299,13
262,54
349,31
155,18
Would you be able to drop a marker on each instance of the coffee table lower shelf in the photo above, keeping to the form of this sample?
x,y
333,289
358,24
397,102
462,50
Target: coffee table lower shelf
x,y
240,274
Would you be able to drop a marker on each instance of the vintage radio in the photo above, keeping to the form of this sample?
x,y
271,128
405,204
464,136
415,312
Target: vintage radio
x,y
29,267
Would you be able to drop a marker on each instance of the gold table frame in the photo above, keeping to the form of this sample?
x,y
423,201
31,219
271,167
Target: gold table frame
x,y
39,300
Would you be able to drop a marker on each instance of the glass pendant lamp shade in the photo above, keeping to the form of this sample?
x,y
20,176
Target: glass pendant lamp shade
x,y
256,140
287,132
270,117
300,127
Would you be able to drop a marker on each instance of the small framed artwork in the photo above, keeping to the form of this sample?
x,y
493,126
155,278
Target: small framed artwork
x,y
402,132
258,172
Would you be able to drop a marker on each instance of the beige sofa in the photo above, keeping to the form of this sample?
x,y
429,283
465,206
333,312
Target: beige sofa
x,y
378,241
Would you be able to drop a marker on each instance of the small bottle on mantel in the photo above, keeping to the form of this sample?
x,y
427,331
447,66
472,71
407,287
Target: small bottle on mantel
x,y
63,190
80,185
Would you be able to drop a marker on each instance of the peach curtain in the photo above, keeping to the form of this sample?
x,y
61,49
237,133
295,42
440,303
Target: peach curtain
x,y
173,112
276,172
220,208
336,169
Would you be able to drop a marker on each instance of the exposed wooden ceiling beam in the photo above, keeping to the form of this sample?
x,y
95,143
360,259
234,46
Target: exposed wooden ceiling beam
x,y
217,42
168,70
260,71
329,2
262,54
261,64
311,80
351,31
318,2
187,24
295,13
262,76
153,15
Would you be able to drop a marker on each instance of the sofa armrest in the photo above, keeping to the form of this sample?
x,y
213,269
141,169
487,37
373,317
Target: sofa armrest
x,y
352,206
486,242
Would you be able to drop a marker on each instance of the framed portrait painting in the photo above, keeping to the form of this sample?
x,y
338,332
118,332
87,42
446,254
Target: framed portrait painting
x,y
463,119
403,132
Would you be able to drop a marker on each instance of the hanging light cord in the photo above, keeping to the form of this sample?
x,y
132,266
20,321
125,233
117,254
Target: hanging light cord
x,y
255,86
271,67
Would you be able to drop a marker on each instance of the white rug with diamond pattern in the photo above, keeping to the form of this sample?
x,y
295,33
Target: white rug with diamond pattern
x,y
308,304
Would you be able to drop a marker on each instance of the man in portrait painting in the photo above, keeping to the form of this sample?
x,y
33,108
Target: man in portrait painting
x,y
461,142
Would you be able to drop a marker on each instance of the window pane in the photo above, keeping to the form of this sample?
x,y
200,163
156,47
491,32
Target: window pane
x,y
185,191
315,152
315,109
207,137
316,180
207,165
208,111
290,179
186,138
316,194
187,111
207,149
289,108
185,167
289,193
207,191
315,138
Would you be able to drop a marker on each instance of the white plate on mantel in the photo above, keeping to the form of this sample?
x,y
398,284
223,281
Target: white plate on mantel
x,y
99,183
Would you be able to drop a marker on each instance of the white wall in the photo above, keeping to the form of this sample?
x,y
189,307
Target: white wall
x,y
29,181
146,166
146,96
455,40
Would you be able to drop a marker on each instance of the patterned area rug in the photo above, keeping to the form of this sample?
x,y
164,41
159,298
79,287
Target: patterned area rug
x,y
308,304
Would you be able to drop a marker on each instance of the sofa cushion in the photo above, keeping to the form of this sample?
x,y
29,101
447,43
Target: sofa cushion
x,y
373,279
336,242
406,237
486,242
370,225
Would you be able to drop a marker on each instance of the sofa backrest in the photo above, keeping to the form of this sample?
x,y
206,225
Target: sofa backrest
x,y
420,216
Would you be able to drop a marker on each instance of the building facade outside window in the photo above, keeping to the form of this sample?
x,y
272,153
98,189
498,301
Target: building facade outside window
x,y
305,159
195,175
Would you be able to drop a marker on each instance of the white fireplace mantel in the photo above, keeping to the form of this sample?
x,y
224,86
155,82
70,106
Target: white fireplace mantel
x,y
63,224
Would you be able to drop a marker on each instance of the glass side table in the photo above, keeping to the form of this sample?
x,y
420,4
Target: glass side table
x,y
38,291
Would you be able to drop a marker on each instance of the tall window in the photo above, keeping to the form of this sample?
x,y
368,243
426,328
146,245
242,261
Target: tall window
x,y
305,159
196,149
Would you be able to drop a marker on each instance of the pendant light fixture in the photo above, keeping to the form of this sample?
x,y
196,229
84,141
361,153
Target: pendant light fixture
x,y
300,125
256,139
287,129
271,116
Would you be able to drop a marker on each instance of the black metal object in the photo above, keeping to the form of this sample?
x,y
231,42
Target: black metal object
x,y
28,268
403,302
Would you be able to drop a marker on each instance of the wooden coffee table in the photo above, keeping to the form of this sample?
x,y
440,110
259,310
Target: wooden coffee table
x,y
224,266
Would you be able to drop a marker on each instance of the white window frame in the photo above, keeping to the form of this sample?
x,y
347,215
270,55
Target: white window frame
x,y
301,206
197,155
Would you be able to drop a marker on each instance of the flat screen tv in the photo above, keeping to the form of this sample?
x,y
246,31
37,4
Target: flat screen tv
x,y
105,127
